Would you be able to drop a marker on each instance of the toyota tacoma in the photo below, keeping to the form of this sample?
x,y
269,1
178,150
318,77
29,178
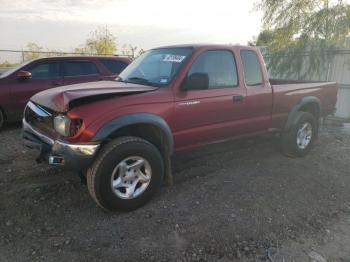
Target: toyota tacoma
x,y
122,133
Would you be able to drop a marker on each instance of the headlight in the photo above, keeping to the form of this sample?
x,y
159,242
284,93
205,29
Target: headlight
x,y
66,126
62,125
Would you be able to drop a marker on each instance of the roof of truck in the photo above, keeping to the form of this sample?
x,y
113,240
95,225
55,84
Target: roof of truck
x,y
204,45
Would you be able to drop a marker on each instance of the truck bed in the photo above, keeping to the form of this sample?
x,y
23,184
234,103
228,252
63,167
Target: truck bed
x,y
288,93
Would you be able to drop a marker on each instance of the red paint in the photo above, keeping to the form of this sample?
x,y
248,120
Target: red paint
x,y
14,93
215,118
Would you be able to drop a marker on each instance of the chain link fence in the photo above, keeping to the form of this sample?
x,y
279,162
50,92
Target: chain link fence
x,y
10,58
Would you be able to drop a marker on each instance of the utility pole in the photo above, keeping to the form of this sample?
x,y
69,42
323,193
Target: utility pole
x,y
326,7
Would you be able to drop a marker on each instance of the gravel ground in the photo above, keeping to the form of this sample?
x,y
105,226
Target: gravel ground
x,y
242,201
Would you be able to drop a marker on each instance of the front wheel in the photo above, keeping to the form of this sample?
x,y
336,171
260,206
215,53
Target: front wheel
x,y
127,172
298,141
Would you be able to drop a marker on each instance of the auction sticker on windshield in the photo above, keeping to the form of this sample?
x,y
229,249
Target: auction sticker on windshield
x,y
174,58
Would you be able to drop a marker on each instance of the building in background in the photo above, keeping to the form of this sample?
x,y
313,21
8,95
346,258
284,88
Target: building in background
x,y
338,71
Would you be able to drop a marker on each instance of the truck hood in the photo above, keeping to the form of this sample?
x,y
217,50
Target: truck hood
x,y
61,99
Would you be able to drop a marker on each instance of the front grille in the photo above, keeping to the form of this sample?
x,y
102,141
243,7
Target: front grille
x,y
39,118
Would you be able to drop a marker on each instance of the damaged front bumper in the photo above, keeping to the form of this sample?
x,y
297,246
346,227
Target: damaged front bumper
x,y
58,153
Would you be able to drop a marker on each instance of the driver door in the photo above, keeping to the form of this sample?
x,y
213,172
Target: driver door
x,y
211,113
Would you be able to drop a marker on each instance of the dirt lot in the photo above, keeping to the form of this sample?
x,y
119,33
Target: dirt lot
x,y
242,201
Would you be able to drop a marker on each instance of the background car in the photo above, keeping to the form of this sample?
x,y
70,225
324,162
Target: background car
x,y
17,85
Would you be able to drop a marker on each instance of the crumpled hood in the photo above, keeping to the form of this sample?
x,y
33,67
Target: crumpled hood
x,y
58,99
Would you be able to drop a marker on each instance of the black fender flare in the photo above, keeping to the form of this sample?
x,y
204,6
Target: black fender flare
x,y
292,116
137,118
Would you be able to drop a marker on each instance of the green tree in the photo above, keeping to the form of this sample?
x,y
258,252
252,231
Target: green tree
x,y
302,34
53,52
32,51
100,42
141,51
132,51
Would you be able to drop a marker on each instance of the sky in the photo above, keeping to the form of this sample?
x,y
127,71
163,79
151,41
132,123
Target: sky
x,y
65,24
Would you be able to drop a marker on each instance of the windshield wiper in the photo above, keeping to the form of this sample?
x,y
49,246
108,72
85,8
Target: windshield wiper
x,y
140,79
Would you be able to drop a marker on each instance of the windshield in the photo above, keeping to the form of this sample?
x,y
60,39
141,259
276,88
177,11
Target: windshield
x,y
156,67
12,70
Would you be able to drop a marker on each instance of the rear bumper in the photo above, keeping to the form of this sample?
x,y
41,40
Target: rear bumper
x,y
58,153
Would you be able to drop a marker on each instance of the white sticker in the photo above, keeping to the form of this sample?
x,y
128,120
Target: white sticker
x,y
174,58
163,80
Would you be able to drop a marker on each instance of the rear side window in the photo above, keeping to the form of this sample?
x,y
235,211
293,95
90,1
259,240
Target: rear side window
x,y
252,69
220,66
45,71
80,68
114,66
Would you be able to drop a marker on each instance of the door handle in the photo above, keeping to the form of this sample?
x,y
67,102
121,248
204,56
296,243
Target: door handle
x,y
237,98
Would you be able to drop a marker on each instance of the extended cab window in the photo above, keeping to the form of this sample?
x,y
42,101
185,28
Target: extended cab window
x,y
80,68
219,66
114,66
252,69
45,71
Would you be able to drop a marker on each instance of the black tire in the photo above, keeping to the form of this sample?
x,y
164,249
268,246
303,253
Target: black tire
x,y
100,174
289,144
2,119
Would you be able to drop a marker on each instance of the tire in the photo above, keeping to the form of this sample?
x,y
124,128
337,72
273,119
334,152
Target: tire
x,y
292,142
2,119
117,158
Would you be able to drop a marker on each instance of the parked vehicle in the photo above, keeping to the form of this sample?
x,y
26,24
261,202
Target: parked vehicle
x,y
17,85
170,99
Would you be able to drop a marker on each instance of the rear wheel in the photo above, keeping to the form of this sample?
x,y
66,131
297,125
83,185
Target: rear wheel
x,y
126,174
298,141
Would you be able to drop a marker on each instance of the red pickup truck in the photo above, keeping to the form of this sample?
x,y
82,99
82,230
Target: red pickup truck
x,y
19,84
123,132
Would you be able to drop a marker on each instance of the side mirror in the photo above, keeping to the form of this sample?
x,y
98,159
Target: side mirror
x,y
196,81
24,75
